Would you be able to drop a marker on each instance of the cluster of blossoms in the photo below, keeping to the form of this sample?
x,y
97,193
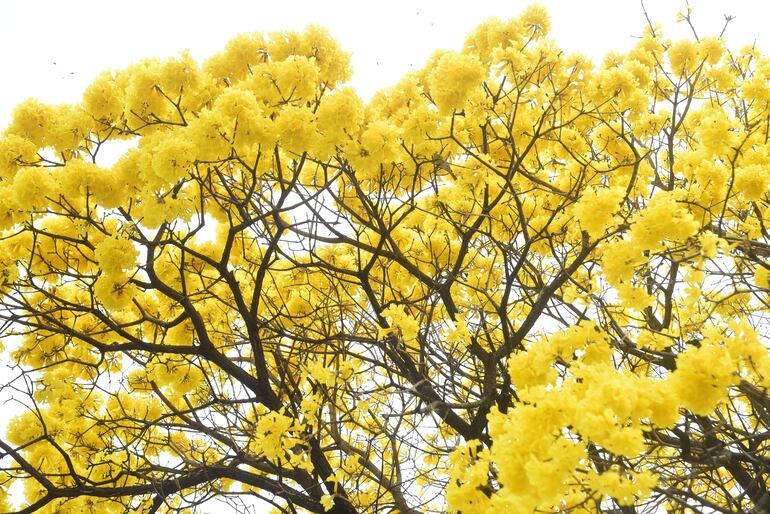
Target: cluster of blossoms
x,y
515,280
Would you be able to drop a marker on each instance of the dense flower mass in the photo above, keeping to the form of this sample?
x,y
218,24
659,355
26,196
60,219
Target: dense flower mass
x,y
516,281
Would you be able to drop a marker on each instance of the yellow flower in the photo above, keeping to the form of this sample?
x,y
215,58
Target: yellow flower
x,y
452,80
115,254
327,501
752,181
596,208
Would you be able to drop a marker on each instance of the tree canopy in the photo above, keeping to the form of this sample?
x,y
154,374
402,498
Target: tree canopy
x,y
514,281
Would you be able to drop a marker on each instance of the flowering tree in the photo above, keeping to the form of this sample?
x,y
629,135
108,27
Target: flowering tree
x,y
515,280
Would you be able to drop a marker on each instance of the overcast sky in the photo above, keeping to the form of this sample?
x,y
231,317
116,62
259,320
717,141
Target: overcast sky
x,y
52,49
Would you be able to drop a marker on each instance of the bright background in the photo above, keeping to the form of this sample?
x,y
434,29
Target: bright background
x,y
52,49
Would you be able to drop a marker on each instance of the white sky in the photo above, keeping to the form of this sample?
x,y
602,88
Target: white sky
x,y
52,49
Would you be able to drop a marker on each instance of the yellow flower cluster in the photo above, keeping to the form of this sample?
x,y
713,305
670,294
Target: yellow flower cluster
x,y
523,274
